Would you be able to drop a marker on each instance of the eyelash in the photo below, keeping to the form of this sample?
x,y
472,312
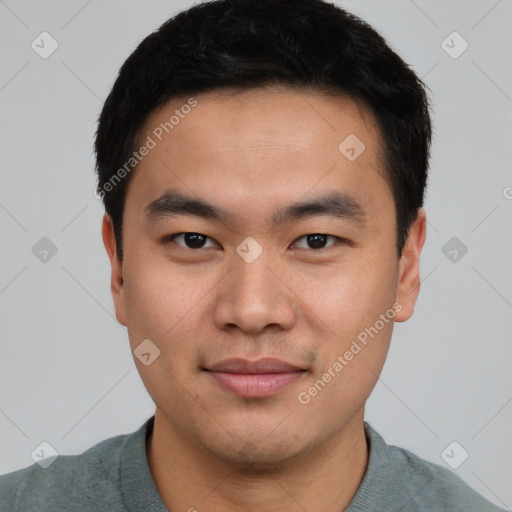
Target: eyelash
x,y
171,238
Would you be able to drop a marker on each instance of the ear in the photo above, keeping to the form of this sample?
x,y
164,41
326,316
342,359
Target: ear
x,y
117,282
409,267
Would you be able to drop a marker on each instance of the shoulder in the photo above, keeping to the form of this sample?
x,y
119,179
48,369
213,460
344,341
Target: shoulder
x,y
438,486
419,485
77,481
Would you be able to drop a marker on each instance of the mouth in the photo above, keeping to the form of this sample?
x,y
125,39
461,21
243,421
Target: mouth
x,y
254,379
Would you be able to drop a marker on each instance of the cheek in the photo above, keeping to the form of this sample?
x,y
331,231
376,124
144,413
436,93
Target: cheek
x,y
167,305
156,299
157,310
357,305
148,296
347,296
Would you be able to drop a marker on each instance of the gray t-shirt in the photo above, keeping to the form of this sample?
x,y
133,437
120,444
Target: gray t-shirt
x,y
114,476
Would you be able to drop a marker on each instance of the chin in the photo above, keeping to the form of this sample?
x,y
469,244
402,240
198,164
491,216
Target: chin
x,y
253,452
258,459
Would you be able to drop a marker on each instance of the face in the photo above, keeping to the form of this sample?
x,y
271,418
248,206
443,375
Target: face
x,y
288,253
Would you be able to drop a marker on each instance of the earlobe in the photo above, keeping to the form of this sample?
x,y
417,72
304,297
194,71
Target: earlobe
x,y
117,281
409,267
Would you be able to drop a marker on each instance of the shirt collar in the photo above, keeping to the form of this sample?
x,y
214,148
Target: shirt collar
x,y
140,491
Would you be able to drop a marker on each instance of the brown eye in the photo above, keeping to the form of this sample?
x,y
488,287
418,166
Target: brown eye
x,y
190,240
315,241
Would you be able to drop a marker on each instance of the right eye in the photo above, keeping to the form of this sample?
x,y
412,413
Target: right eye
x,y
189,240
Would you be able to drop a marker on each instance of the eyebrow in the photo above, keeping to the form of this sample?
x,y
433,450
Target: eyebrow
x,y
334,204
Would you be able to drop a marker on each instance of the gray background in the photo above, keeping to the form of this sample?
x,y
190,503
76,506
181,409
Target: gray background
x,y
66,372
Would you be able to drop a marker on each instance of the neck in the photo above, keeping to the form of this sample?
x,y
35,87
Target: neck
x,y
325,479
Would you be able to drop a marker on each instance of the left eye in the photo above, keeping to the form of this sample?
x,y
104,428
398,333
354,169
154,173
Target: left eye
x,y
315,241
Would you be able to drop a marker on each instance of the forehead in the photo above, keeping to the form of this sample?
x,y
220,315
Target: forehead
x,y
261,147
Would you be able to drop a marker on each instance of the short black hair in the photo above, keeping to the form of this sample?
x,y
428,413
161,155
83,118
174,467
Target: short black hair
x,y
304,44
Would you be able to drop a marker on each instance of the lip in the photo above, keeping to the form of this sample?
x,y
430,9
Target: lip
x,y
254,379
265,365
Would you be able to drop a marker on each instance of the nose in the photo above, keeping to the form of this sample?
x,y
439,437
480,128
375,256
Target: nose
x,y
254,297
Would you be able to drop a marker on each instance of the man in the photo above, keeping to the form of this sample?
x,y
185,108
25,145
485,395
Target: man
x,y
262,165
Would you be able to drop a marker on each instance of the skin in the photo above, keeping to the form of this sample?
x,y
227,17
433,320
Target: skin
x,y
251,152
